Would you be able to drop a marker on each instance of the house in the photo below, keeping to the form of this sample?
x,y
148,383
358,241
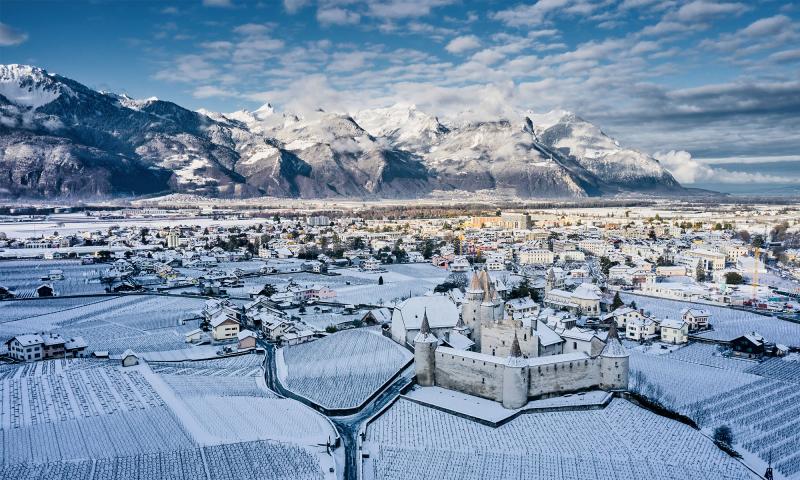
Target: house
x,y
623,315
749,346
223,327
297,338
640,329
129,358
246,339
5,293
377,316
521,307
44,346
674,331
697,318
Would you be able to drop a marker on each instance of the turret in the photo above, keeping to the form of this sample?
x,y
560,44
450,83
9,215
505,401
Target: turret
x,y
515,377
425,344
613,362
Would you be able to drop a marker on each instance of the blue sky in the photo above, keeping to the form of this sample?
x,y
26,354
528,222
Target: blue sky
x,y
707,79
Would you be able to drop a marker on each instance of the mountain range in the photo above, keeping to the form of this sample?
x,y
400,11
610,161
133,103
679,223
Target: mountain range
x,y
61,139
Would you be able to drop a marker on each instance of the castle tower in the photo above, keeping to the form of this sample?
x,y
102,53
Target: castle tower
x,y
515,378
549,280
425,344
613,362
471,309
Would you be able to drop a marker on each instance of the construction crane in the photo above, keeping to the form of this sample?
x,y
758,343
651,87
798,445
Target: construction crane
x,y
755,274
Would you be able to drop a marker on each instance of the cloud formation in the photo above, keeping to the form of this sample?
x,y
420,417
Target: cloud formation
x,y
10,36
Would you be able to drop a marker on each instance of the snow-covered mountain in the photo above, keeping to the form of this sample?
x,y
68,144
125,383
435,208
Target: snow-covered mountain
x,y
59,138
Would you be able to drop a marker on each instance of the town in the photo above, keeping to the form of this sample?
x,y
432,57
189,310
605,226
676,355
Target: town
x,y
637,339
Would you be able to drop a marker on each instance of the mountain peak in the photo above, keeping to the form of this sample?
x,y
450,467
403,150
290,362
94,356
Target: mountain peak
x,y
29,86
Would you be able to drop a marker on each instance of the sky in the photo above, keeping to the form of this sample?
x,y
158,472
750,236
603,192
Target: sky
x,y
711,89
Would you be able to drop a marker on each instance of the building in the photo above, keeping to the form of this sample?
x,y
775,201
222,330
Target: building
x,y
697,318
539,256
223,327
174,239
407,317
246,339
584,300
674,331
44,346
514,380
640,328
129,359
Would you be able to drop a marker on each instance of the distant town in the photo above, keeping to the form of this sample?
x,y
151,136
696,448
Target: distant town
x,y
350,341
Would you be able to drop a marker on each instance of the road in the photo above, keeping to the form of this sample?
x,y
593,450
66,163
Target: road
x,y
347,426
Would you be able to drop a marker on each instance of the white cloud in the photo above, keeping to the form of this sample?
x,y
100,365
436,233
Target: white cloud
x,y
292,6
397,9
217,3
688,170
209,91
703,10
463,43
10,36
337,16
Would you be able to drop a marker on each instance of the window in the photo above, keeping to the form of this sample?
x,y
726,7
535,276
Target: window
x,y
575,345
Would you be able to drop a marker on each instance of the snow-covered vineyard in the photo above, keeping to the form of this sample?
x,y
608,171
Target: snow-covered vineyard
x,y
143,323
24,277
727,323
760,402
343,369
411,441
92,419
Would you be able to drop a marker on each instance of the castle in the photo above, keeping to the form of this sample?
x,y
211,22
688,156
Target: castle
x,y
508,367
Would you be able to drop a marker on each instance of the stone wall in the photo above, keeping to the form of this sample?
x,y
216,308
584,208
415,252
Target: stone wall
x,y
474,374
555,378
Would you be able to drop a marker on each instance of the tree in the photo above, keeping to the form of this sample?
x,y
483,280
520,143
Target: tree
x,y
632,304
723,435
617,302
758,241
606,264
700,273
733,278
268,290
427,250
380,280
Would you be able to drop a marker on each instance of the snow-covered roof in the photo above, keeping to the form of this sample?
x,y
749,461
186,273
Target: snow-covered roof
x,y
551,359
459,341
29,339
245,334
673,323
442,312
547,336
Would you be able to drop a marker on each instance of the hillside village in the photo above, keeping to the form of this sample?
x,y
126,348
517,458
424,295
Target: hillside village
x,y
484,316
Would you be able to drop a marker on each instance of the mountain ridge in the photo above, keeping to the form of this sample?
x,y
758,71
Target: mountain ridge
x,y
61,139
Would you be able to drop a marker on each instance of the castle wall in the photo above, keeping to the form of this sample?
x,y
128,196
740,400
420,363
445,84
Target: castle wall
x,y
496,339
470,372
564,376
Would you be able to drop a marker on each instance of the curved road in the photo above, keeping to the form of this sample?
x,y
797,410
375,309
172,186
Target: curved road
x,y
347,426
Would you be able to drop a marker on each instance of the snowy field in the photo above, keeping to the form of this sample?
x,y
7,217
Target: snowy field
x,y
399,282
727,322
93,419
23,277
622,441
343,369
760,403
143,323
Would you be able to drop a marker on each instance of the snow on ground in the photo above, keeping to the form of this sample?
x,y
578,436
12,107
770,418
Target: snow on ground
x,y
727,323
410,441
69,418
761,403
399,282
140,322
343,369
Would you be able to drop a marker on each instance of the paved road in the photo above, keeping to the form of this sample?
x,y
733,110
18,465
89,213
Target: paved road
x,y
349,425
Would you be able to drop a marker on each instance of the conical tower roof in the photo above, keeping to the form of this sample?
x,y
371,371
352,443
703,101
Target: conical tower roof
x,y
425,328
516,351
475,283
425,334
613,346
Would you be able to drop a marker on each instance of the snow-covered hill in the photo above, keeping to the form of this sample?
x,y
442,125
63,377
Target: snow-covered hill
x,y
60,138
